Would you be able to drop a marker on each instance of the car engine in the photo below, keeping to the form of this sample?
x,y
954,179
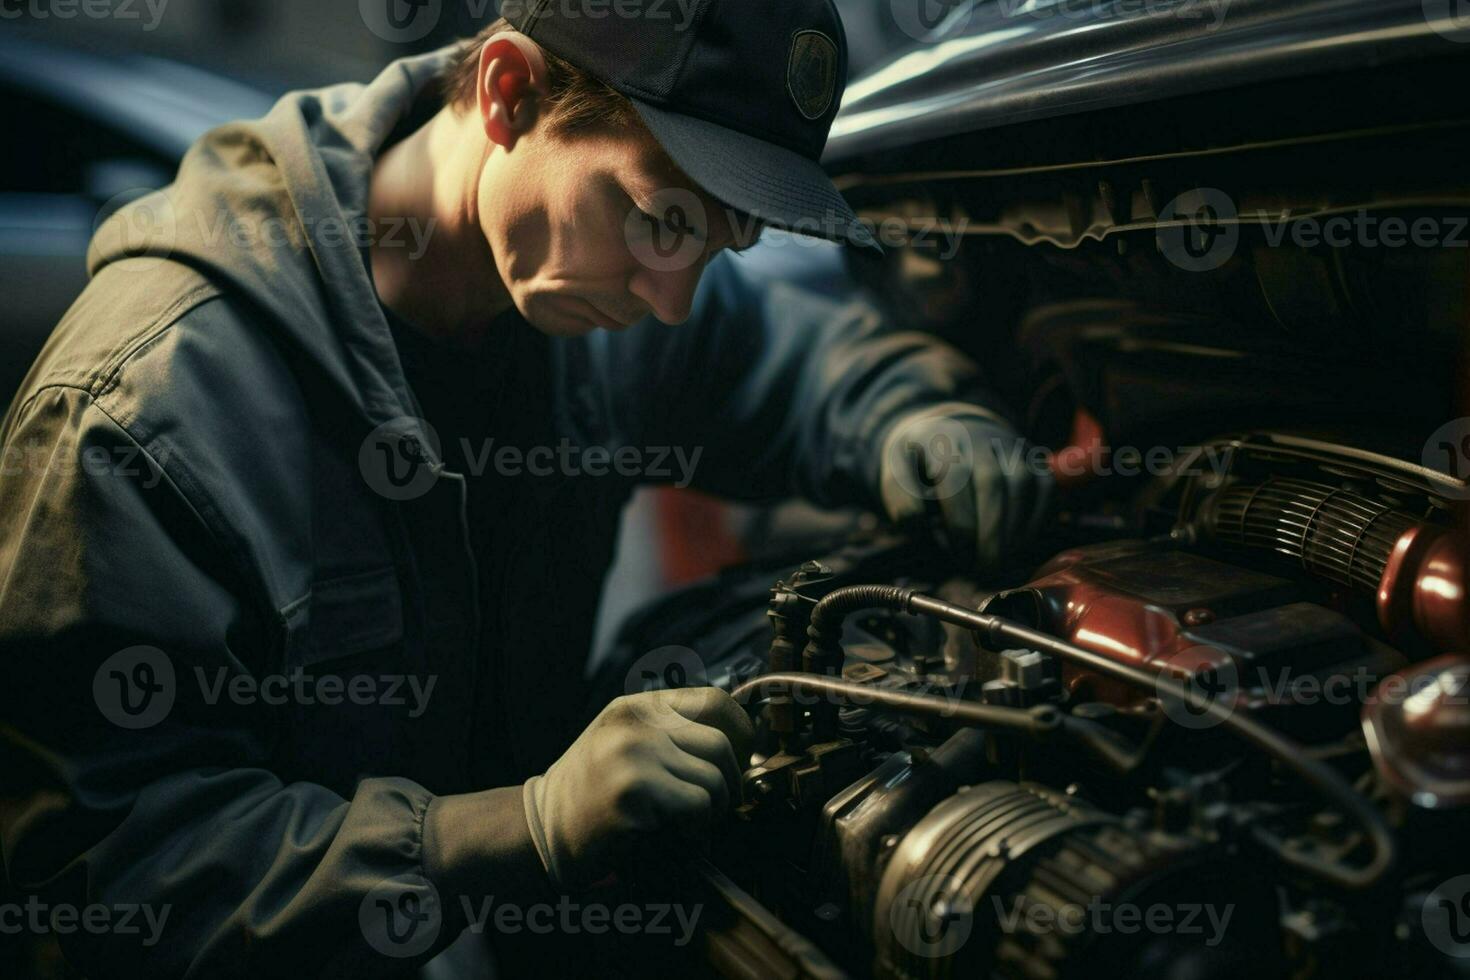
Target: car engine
x,y
1240,741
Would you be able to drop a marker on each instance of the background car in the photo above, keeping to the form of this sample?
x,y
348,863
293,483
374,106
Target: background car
x,y
89,132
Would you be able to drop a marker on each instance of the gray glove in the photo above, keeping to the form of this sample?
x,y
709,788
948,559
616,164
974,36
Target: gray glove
x,y
968,471
661,762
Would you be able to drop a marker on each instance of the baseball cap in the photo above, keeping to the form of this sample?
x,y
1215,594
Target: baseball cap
x,y
740,94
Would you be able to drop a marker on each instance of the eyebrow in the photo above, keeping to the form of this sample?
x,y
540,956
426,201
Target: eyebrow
x,y
734,219
644,203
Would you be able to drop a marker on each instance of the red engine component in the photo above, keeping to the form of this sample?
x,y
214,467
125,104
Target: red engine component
x,y
1423,588
1184,614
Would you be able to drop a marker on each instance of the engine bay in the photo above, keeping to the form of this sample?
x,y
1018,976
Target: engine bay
x,y
1217,719
1236,741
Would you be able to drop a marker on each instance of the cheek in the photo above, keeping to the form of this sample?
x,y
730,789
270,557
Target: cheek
x,y
556,228
592,231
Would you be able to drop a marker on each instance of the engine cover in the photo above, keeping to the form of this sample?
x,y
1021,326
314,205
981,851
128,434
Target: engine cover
x,y
1255,634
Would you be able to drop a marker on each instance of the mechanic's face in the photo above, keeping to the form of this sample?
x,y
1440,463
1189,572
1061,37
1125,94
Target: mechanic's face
x,y
599,230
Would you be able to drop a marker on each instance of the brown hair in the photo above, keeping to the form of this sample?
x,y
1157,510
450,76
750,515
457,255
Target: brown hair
x,y
575,101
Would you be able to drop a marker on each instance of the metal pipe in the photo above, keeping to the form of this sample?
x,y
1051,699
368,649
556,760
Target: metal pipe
x,y
829,613
1039,720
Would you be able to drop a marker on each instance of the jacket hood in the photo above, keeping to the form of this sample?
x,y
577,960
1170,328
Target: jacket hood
x,y
275,209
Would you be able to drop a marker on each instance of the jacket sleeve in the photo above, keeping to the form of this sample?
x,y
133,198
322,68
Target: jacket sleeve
x,y
126,789
784,379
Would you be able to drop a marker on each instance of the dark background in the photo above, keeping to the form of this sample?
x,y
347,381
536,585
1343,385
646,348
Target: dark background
x,y
277,45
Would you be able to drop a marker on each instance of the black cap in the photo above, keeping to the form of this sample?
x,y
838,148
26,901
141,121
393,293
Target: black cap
x,y
741,94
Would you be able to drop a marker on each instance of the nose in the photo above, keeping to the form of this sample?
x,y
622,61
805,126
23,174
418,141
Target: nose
x,y
668,294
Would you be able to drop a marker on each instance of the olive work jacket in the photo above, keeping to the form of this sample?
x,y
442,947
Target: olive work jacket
x,y
256,621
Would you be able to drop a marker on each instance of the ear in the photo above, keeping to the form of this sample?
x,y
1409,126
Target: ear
x,y
512,83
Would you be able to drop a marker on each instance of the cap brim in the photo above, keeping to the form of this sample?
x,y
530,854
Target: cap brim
x,y
779,186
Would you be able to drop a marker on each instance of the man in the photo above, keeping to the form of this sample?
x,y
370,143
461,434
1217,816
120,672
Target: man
x,y
293,649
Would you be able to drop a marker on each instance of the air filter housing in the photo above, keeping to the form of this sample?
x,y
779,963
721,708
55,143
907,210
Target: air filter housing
x,y
1341,535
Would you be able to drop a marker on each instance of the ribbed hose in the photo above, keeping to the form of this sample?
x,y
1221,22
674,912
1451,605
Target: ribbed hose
x,y
829,614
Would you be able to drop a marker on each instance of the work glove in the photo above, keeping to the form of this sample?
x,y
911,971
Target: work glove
x,y
652,768
967,478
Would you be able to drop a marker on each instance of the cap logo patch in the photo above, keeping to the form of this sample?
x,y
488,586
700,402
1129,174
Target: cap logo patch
x,y
812,74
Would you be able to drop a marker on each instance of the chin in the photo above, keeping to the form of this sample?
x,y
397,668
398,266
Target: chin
x,y
557,315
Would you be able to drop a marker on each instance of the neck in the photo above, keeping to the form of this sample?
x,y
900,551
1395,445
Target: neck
x,y
431,263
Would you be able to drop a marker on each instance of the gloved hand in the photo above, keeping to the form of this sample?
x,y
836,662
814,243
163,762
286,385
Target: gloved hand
x,y
651,764
970,473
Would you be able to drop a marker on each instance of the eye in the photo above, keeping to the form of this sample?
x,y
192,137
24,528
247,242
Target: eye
x,y
655,221
674,219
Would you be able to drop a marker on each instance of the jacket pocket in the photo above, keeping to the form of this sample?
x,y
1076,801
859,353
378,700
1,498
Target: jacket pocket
x,y
344,617
351,694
